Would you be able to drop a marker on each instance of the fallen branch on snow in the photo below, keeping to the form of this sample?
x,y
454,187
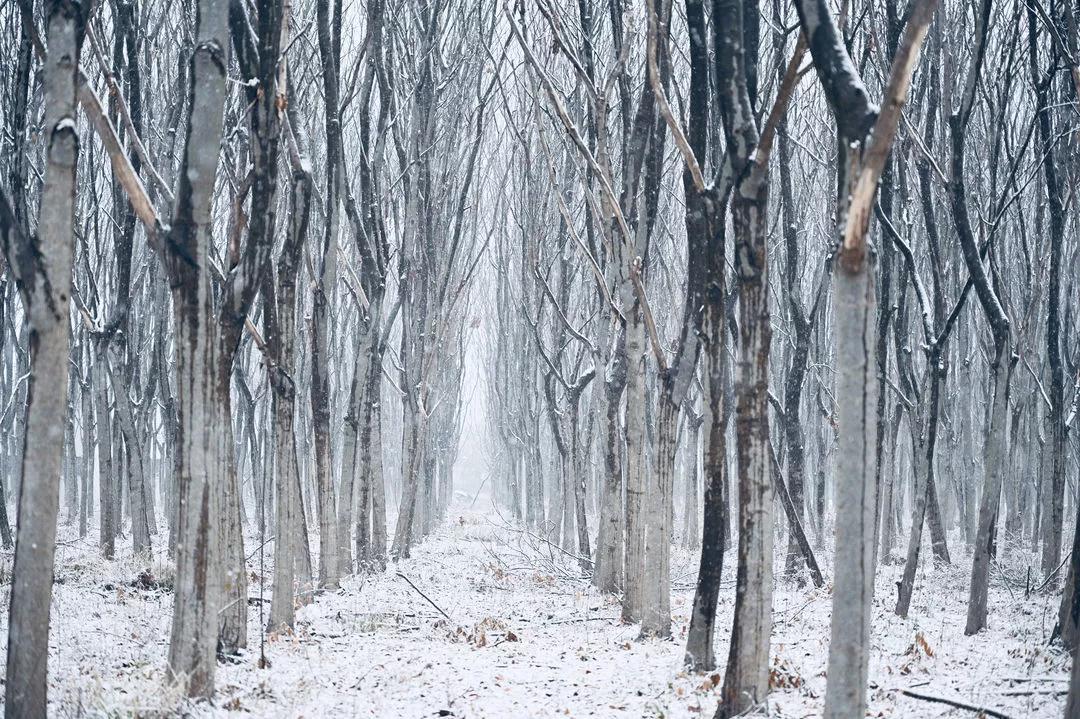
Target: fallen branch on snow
x,y
985,711
429,601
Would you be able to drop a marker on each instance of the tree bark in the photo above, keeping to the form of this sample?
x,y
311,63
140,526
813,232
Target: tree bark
x,y
194,626
44,277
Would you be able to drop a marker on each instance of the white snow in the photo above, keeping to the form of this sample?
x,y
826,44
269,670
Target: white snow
x,y
529,638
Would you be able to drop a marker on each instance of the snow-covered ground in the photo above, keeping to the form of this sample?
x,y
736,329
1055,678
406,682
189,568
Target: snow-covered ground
x,y
527,637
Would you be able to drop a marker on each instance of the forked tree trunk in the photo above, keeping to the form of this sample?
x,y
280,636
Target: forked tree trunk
x,y
855,309
706,240
1000,366
194,625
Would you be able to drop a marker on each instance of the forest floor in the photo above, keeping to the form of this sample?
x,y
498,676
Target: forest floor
x,y
527,637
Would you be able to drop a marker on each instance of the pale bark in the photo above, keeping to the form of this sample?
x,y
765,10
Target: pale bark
x,y
691,538
45,285
854,310
656,610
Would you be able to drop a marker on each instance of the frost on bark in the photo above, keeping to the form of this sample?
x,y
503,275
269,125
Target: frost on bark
x,y
43,275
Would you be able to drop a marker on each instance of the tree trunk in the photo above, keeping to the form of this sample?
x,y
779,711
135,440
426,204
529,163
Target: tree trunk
x,y
656,609
691,512
608,574
46,305
746,681
924,466
195,604
853,585
994,462
714,531
106,471
633,572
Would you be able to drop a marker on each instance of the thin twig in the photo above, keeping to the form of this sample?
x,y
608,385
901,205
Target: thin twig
x,y
429,601
986,711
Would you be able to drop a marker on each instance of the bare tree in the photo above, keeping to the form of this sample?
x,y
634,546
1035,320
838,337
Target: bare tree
x,y
865,140
194,624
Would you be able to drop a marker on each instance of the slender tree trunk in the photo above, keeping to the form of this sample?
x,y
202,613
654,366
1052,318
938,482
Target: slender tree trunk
x,y
715,525
139,501
656,611
374,461
691,512
924,466
46,289
746,680
350,489
194,625
633,573
608,575
854,310
107,489
985,540
329,36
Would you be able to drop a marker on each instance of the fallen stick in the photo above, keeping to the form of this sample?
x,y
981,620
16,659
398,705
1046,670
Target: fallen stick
x,y
986,711
437,607
1037,679
578,620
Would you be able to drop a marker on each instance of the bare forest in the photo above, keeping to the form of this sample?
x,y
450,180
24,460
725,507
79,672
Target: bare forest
x,y
537,358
